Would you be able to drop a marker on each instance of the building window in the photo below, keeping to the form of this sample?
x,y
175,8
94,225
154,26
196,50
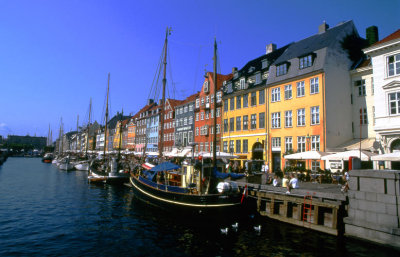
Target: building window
x,y
314,86
212,114
225,125
218,112
393,65
288,144
231,146
190,120
206,147
275,94
261,96
314,143
360,84
219,97
207,115
202,116
232,124
197,131
253,121
197,103
238,123
206,89
314,115
300,89
301,117
363,116
218,128
315,165
288,119
232,104
191,108
276,142
245,100
394,103
276,120
238,102
225,105
301,144
305,61
238,150
202,101
242,84
281,69
225,146
261,118
245,122
253,98
258,78
185,121
245,145
288,92
186,110
207,99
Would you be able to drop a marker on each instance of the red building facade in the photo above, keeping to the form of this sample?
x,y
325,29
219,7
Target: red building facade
x,y
204,113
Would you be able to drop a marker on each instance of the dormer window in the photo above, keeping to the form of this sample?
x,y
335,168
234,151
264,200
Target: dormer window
x,y
305,61
264,64
281,69
242,83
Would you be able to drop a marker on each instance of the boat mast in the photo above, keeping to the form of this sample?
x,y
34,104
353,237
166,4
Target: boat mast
x,y
164,81
214,162
105,129
61,136
88,127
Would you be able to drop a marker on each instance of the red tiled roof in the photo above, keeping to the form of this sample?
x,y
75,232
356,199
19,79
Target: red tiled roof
x,y
190,98
220,78
394,35
174,102
365,63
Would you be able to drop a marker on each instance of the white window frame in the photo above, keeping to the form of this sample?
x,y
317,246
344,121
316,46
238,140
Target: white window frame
x,y
275,94
288,119
300,89
288,92
288,144
301,117
276,119
395,102
314,86
314,115
395,64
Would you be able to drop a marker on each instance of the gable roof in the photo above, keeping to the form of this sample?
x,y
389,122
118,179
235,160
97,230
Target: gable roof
x,y
220,79
394,35
174,102
318,41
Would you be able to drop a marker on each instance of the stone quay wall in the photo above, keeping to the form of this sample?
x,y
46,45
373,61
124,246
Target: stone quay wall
x,y
374,206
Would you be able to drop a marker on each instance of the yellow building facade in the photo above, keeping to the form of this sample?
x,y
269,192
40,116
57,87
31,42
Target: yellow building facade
x,y
296,120
244,125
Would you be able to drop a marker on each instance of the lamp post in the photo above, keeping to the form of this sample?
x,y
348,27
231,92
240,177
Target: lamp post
x,y
308,144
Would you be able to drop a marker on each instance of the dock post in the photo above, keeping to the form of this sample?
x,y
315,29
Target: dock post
x,y
316,212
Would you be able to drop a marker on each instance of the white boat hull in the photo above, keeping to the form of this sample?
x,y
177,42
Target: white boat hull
x,y
82,166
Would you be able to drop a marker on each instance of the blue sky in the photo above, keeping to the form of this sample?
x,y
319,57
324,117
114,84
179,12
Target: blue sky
x,y
55,55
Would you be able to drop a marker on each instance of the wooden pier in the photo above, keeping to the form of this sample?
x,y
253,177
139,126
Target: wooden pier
x,y
315,206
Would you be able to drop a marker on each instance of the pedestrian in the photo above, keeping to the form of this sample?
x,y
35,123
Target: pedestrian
x,y
275,182
285,181
293,183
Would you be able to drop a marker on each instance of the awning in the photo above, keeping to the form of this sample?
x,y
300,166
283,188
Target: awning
x,y
147,166
184,152
220,155
354,144
309,155
395,156
365,155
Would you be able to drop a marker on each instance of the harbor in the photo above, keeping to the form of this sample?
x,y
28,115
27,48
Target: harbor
x,y
90,219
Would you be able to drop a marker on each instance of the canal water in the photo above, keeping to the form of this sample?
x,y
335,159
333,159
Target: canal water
x,y
48,212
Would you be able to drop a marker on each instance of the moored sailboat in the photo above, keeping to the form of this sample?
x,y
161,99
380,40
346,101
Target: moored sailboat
x,y
106,170
187,189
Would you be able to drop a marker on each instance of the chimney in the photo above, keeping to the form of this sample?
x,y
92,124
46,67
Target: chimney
x,y
270,48
150,101
234,69
323,28
372,35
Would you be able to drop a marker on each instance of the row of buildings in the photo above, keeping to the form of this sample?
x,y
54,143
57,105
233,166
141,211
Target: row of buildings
x,y
330,92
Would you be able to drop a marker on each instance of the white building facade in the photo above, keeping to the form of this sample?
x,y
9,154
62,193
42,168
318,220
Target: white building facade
x,y
385,56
